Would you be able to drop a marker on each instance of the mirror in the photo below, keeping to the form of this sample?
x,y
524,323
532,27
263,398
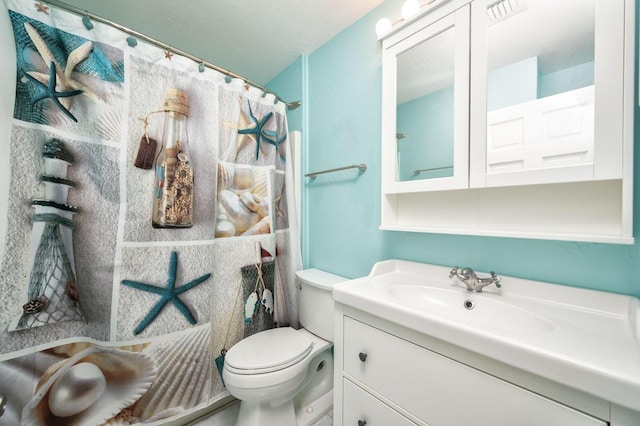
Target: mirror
x,y
425,108
540,84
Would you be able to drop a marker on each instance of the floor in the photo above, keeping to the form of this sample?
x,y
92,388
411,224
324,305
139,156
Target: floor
x,y
228,415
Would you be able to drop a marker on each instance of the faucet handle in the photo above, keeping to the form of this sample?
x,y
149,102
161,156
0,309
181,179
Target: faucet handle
x,y
453,272
496,279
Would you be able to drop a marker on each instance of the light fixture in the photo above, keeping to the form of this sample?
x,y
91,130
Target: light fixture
x,y
382,26
409,9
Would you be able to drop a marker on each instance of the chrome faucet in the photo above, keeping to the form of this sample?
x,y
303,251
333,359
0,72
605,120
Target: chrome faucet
x,y
471,280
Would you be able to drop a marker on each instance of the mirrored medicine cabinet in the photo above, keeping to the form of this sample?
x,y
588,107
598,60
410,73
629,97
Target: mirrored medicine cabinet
x,y
510,118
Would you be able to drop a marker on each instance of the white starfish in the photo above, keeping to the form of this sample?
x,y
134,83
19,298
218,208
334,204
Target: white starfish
x,y
245,123
64,78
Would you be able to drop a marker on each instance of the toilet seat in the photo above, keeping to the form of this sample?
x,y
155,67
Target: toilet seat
x,y
268,351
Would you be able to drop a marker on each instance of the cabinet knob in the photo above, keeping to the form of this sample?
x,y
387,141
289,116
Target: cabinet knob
x,y
363,358
362,422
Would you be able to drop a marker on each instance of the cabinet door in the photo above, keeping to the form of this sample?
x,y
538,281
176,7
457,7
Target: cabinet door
x,y
362,409
548,104
425,122
441,391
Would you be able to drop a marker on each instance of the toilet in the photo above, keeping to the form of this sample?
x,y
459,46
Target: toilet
x,y
284,376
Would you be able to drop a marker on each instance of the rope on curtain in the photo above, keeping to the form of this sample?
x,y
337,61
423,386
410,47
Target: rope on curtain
x,y
158,43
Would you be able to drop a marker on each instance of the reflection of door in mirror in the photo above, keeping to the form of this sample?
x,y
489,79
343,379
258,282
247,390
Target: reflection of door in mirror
x,y
425,114
540,84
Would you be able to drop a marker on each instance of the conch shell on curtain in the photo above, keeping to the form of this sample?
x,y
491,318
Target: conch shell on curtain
x,y
244,201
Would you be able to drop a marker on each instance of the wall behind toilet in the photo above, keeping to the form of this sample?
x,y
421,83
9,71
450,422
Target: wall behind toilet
x,y
340,88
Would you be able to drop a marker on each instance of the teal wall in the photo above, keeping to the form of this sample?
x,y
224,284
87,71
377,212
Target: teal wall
x,y
342,214
566,79
512,84
289,85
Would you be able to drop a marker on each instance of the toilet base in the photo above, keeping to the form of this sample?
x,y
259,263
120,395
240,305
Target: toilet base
x,y
263,414
306,416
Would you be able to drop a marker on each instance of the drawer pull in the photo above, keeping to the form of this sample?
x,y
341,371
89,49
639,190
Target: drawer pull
x,y
362,422
363,358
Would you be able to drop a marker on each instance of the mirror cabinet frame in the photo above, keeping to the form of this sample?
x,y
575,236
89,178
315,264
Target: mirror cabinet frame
x,y
433,25
556,205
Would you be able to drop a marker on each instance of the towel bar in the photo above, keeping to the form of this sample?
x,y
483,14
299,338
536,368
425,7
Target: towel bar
x,y
361,166
418,171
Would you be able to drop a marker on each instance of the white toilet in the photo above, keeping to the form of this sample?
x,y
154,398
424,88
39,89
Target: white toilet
x,y
284,376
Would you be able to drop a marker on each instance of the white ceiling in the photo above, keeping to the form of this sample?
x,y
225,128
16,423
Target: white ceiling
x,y
253,38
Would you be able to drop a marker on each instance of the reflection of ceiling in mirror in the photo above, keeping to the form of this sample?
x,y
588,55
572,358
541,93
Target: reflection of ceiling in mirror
x,y
427,67
559,32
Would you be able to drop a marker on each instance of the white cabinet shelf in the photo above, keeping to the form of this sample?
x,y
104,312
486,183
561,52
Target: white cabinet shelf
x,y
581,211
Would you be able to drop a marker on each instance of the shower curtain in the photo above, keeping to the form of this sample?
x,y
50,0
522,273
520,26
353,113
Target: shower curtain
x,y
91,294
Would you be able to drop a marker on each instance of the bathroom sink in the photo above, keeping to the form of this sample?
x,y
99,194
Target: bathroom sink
x,y
584,339
475,309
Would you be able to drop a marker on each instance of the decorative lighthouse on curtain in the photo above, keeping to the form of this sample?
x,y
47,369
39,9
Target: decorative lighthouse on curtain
x,y
52,294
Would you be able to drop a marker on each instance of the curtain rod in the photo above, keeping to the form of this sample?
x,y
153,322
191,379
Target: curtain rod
x,y
158,43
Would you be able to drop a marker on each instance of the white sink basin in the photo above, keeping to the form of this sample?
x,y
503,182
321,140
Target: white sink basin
x,y
584,339
475,309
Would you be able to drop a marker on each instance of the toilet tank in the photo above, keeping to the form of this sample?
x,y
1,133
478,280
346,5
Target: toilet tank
x,y
315,301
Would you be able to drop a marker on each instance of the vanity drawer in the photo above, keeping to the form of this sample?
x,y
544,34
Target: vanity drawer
x,y
441,391
361,407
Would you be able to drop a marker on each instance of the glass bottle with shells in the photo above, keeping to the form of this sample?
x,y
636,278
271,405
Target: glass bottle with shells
x,y
173,198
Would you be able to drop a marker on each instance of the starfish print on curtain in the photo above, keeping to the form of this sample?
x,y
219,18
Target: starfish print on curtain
x,y
49,92
256,133
168,294
41,7
272,138
64,79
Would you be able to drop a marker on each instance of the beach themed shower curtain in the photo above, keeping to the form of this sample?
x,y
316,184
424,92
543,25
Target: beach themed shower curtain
x,y
105,319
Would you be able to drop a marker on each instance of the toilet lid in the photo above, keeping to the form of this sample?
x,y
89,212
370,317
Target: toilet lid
x,y
268,351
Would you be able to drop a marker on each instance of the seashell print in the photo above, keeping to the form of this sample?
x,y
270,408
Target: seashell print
x,y
109,125
70,349
170,169
243,178
72,290
225,176
251,201
236,212
183,378
262,227
36,305
224,228
260,187
90,387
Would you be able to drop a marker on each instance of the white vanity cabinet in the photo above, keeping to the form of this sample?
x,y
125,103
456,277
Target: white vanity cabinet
x,y
388,380
414,346
509,118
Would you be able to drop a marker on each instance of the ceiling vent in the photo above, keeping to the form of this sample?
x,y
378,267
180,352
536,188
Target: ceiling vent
x,y
503,9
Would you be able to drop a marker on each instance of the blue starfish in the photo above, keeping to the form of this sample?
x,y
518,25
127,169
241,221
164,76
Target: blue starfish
x,y
272,138
169,294
257,131
49,91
